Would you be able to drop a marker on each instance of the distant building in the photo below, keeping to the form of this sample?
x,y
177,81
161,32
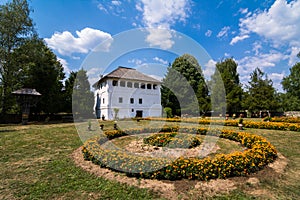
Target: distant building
x,y
127,93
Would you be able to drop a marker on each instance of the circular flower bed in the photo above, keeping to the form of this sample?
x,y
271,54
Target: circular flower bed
x,y
259,153
173,140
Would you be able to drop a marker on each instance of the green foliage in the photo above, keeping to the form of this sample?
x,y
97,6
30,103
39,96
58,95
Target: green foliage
x,y
168,112
184,89
291,84
41,70
230,81
68,91
15,27
261,94
82,98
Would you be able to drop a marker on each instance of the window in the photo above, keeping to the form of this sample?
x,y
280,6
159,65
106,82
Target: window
x,y
102,84
122,83
154,86
140,101
120,100
136,85
115,83
129,84
149,86
143,85
103,100
132,100
132,110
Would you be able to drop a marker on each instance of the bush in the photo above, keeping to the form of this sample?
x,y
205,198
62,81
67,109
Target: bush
x,y
168,112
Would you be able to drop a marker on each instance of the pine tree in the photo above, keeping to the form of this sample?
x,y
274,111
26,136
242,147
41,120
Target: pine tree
x,y
261,94
82,98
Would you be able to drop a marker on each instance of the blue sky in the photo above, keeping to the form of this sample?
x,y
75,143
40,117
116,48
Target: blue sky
x,y
256,33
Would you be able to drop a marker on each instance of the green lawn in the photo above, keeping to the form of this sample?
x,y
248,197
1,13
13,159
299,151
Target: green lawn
x,y
36,164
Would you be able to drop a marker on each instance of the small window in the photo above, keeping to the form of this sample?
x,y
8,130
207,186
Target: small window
x,y
140,101
143,86
115,83
136,85
154,86
132,110
132,100
149,86
129,84
122,83
120,100
103,100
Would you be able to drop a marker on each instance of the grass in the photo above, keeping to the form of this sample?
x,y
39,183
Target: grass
x,y
35,163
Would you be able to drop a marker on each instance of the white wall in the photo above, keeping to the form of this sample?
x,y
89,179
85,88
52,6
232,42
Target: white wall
x,y
119,97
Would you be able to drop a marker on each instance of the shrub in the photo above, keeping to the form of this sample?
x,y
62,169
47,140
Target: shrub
x,y
168,112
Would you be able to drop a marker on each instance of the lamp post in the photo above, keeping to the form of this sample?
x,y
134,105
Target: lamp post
x,y
26,98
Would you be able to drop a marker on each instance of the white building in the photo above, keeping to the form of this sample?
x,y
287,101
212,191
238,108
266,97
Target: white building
x,y
127,93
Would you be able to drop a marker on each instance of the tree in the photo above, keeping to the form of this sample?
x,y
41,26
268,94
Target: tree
x,y
227,70
291,84
83,97
261,94
15,27
184,89
41,70
68,91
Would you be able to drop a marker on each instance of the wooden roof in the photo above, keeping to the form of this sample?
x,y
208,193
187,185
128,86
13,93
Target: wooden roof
x,y
129,74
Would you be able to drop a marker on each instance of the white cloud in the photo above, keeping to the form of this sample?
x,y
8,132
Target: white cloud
x,y
65,65
226,54
136,61
102,8
243,10
162,15
223,32
256,47
94,74
293,56
87,39
208,33
116,3
249,63
238,38
276,79
160,37
279,24
197,26
210,67
162,61
168,12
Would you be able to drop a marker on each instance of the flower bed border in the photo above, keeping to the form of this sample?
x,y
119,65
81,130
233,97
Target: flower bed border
x,y
272,125
258,154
